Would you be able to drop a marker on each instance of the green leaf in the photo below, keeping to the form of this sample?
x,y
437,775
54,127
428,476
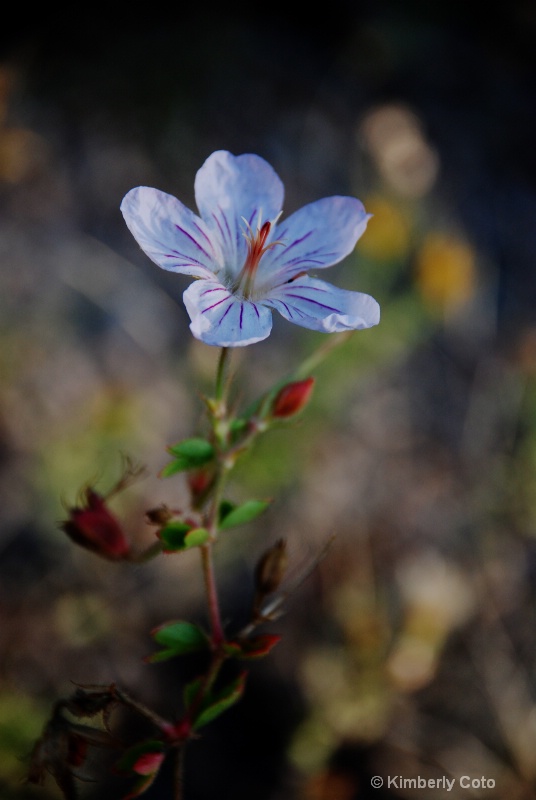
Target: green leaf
x,y
189,454
225,508
161,655
216,702
177,536
196,537
198,451
173,535
179,465
246,512
184,636
238,426
178,638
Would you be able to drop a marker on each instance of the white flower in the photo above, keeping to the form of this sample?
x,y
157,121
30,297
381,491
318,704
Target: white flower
x,y
247,263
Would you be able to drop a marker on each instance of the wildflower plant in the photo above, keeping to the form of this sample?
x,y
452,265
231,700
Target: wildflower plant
x,y
246,263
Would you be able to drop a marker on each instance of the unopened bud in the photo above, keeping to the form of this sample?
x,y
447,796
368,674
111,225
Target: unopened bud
x,y
292,398
270,569
93,526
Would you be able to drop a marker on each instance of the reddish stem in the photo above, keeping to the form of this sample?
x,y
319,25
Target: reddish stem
x,y
218,636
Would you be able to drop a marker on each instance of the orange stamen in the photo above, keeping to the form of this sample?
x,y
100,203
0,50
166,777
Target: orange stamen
x,y
257,247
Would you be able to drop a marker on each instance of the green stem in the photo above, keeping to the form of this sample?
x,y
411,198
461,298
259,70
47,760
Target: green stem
x,y
321,353
220,374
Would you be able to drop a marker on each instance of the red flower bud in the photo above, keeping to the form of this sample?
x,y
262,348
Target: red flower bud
x,y
292,398
94,527
148,763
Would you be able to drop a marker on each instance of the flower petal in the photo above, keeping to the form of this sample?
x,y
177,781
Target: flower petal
x,y
170,234
229,188
320,306
318,235
220,318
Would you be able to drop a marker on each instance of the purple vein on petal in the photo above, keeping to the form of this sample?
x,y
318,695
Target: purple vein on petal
x,y
303,261
193,239
290,310
315,302
219,302
216,220
204,235
226,221
294,243
312,253
224,313
180,265
189,260
214,289
309,288
224,229
308,259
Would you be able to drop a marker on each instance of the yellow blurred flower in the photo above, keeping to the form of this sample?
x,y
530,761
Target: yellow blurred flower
x,y
445,271
388,232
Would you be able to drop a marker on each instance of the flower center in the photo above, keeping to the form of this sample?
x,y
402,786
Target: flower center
x,y
257,247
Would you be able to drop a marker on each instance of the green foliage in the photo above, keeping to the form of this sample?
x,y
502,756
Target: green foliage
x,y
196,537
177,536
213,703
177,638
231,515
188,454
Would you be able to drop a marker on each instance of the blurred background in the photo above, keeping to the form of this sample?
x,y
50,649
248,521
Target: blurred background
x,y
410,650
